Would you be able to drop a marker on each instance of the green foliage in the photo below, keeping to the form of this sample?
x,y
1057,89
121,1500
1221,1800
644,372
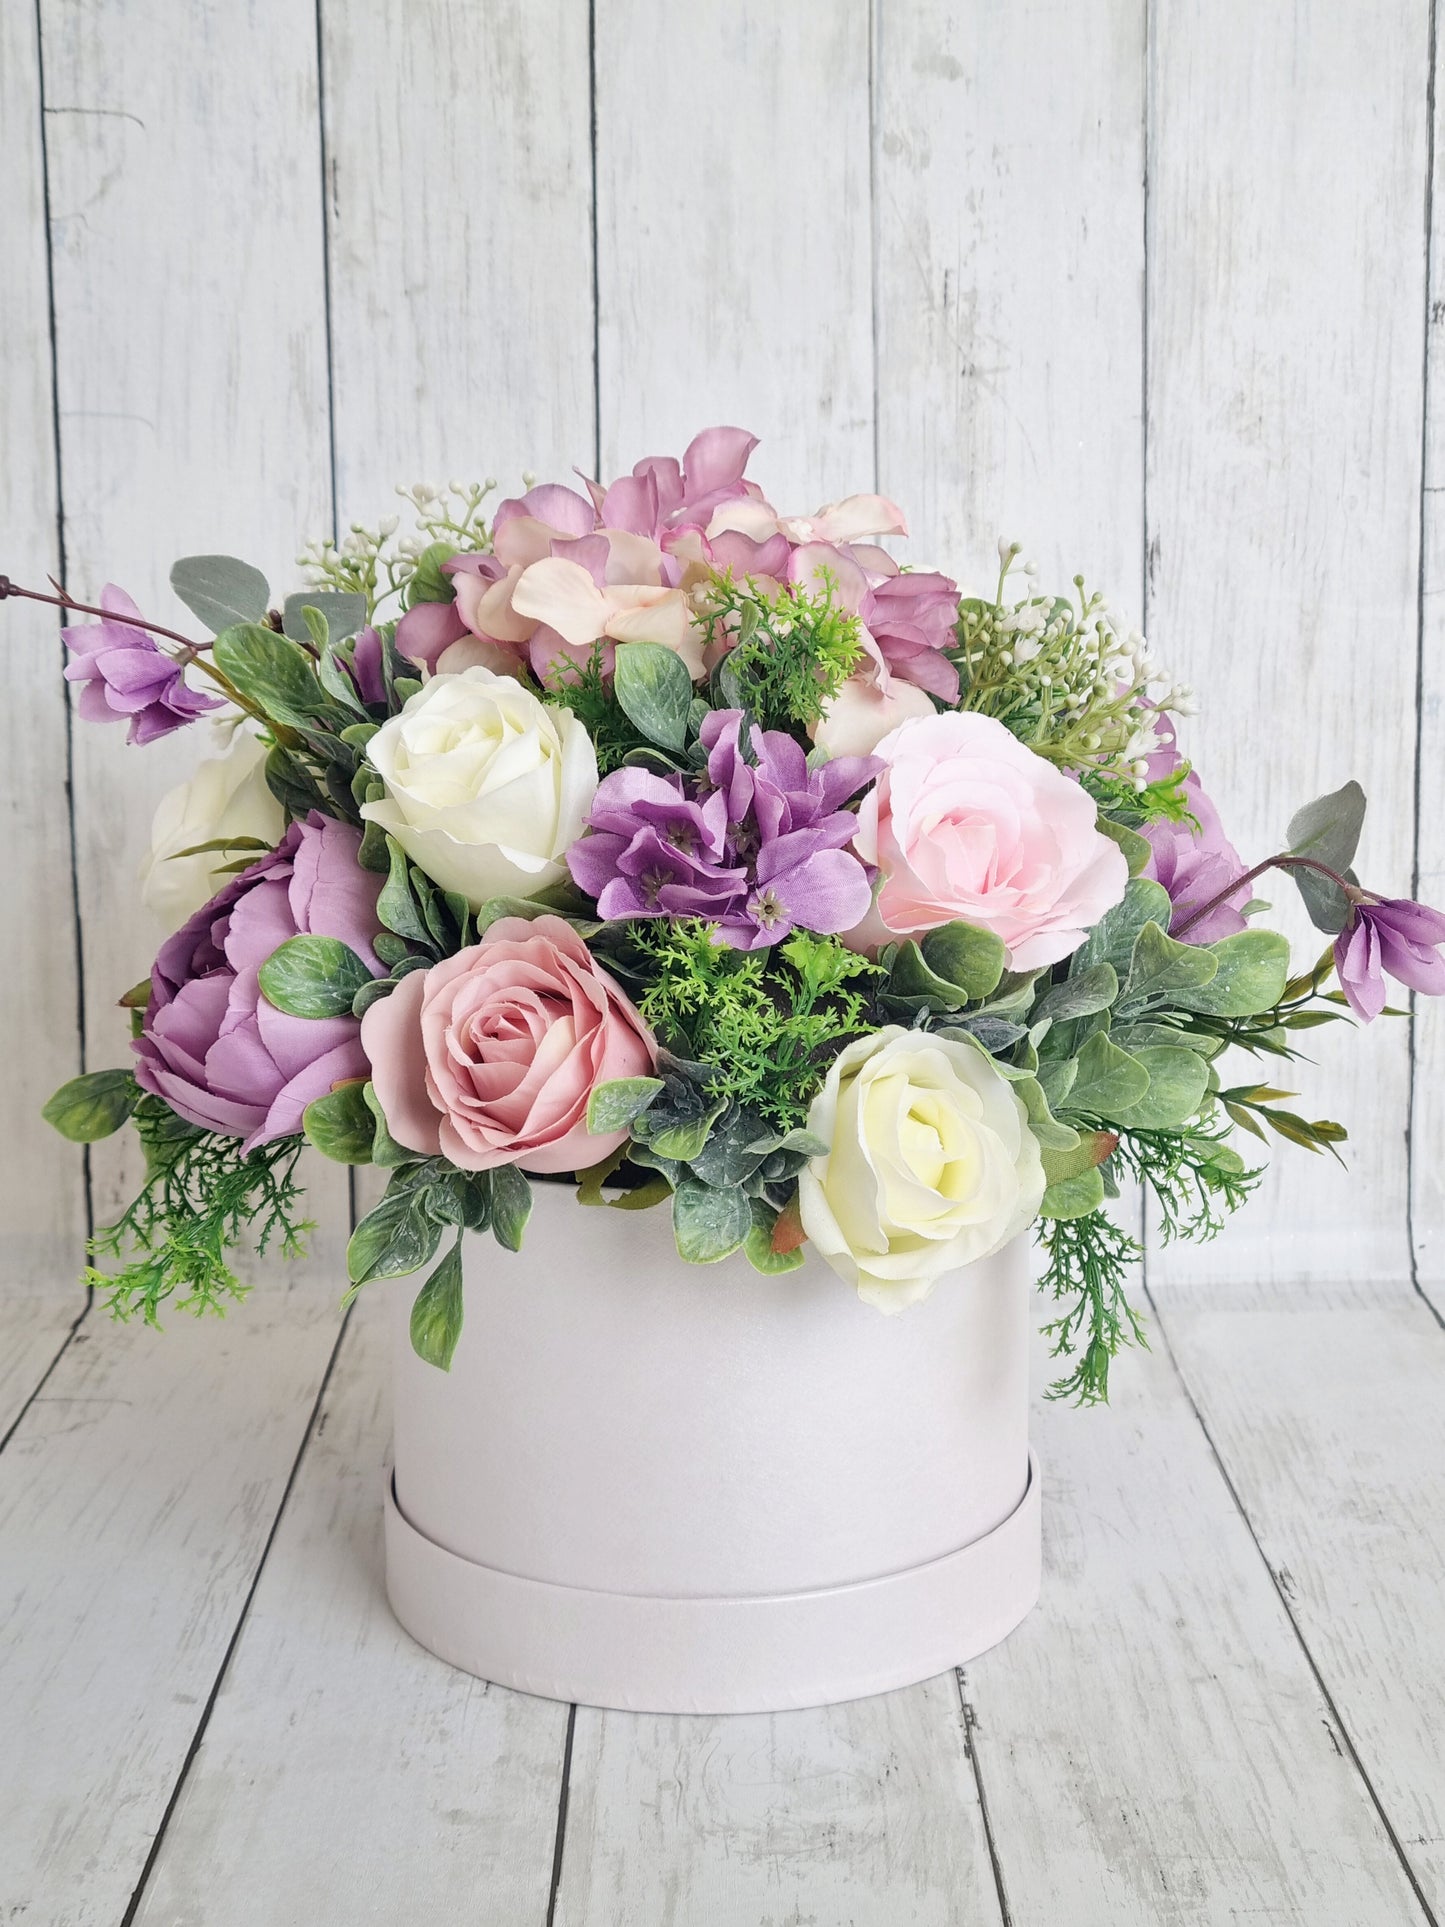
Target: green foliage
x,y
202,1197
341,1124
220,590
92,1106
341,615
1327,831
436,1316
654,689
592,699
794,650
1196,1178
312,976
1088,1266
774,1018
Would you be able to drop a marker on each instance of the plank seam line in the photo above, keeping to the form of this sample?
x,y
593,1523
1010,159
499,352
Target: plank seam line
x,y
970,1747
1280,1593
559,1842
596,270
875,72
1412,1042
308,1433
77,934
324,153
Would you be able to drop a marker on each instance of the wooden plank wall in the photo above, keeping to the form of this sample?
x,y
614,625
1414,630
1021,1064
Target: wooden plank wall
x,y
1148,288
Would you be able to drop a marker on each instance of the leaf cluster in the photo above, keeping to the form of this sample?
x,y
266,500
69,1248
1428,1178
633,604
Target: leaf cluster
x,y
792,649
202,1198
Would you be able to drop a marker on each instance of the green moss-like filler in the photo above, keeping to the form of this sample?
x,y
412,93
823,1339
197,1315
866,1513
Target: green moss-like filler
x,y
201,1199
1088,1262
589,696
775,1019
794,650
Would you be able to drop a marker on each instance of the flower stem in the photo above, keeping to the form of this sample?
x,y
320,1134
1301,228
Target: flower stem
x,y
1284,861
64,600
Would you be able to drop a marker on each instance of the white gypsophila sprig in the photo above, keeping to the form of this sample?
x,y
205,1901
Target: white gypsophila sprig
x,y
1066,674
379,562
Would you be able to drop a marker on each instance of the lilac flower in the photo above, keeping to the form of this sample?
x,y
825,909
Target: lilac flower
x,y
1194,865
1391,934
753,847
125,674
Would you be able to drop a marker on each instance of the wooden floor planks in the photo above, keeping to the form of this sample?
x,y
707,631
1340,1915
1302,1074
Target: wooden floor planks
x,y
346,1775
1234,1672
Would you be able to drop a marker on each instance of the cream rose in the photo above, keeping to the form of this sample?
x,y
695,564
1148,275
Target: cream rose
x,y
486,786
226,797
930,1164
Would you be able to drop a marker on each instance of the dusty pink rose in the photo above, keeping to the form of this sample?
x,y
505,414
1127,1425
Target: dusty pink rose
x,y
966,823
490,1057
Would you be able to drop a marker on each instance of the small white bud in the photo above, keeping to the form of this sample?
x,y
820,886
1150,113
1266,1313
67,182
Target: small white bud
x,y
529,480
491,483
388,526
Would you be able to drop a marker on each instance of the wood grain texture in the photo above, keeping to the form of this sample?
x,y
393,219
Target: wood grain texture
x,y
1284,407
865,1813
1009,220
42,1216
734,266
1331,1426
1153,1748
191,366
1427,1133
35,1323
136,1498
347,1775
460,215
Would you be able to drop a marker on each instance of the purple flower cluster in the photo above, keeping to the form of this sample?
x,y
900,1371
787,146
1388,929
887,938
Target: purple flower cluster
x,y
756,846
126,675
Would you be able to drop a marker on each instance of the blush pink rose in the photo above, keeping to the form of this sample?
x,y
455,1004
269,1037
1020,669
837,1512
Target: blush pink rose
x,y
490,1057
966,823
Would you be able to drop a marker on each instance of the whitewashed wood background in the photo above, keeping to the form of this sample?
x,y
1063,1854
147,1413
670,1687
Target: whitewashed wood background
x,y
1156,288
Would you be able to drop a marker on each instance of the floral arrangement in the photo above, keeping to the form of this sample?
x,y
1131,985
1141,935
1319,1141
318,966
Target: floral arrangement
x,y
644,838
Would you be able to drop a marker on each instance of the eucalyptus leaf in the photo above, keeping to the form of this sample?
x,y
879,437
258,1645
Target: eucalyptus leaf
x,y
1113,937
342,613
462,1198
396,906
1178,1080
511,1205
1252,969
1327,831
758,1246
271,672
1090,1151
1108,1081
311,976
655,691
397,1237
436,1316
92,1106
970,958
220,590
709,1224
427,582
1137,849
1161,967
1074,1197
341,1125
385,1150
1091,990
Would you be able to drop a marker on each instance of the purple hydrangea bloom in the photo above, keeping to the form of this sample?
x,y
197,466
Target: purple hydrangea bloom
x,y
1194,865
126,675
1391,934
752,847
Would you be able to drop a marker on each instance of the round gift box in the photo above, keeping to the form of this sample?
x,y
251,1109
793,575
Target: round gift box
x,y
675,1488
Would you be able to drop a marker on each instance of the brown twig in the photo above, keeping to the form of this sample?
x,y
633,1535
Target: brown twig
x,y
62,599
1282,862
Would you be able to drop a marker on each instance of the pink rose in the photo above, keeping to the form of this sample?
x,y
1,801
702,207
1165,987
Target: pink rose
x,y
490,1056
966,823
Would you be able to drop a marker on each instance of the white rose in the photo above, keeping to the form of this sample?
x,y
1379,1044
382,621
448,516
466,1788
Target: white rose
x,y
227,797
486,786
931,1164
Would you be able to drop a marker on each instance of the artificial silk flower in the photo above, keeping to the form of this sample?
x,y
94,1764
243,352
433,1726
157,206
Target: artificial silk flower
x,y
930,1165
126,677
491,1056
227,796
967,823
210,1044
864,711
486,786
1194,861
1393,935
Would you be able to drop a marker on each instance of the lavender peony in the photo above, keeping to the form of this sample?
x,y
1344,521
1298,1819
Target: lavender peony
x,y
211,1046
